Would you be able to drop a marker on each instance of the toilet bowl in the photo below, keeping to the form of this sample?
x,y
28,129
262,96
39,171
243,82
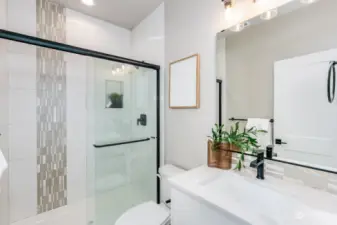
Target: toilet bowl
x,y
150,213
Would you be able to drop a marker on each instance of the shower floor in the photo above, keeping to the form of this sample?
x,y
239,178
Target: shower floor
x,y
67,215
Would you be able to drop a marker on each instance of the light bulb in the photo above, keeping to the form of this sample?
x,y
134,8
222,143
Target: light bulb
x,y
268,15
228,3
308,1
88,2
239,27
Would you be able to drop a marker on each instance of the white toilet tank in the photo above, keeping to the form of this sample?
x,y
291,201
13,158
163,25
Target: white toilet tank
x,y
167,172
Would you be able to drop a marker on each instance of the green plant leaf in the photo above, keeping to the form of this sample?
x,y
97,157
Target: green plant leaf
x,y
244,140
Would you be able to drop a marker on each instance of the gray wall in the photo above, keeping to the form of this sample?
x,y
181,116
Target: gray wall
x,y
250,55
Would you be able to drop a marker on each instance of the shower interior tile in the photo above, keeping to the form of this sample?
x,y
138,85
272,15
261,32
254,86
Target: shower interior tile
x,y
26,22
21,48
76,160
22,107
22,120
22,141
22,70
4,140
4,203
4,102
4,85
3,14
41,219
22,188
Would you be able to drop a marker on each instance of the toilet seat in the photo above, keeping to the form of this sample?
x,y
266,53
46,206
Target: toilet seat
x,y
148,213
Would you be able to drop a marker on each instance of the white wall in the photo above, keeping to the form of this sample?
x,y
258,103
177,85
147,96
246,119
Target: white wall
x,y
191,27
4,88
148,38
22,131
3,13
82,31
76,138
91,33
4,113
26,9
22,127
148,44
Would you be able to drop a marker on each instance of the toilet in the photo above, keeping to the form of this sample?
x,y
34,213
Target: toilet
x,y
150,213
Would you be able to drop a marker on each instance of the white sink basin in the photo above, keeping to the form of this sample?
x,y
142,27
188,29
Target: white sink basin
x,y
257,202
263,204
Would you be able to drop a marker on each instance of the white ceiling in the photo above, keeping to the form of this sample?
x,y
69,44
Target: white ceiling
x,y
123,13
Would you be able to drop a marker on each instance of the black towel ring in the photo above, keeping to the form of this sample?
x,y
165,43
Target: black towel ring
x,y
332,78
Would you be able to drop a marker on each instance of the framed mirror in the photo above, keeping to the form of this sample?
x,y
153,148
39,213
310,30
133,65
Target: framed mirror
x,y
279,70
184,90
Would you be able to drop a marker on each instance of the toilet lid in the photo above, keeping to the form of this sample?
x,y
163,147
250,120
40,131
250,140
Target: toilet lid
x,y
148,213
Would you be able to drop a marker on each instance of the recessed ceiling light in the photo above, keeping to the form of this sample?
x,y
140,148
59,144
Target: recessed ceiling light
x,y
88,2
228,3
239,27
308,1
268,15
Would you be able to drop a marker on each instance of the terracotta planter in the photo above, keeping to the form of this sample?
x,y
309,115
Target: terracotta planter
x,y
222,158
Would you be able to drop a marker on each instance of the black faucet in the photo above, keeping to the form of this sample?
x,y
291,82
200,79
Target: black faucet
x,y
259,165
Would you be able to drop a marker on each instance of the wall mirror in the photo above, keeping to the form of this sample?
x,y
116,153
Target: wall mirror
x,y
184,90
282,69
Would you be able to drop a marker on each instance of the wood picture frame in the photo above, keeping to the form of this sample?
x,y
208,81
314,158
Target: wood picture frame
x,y
184,83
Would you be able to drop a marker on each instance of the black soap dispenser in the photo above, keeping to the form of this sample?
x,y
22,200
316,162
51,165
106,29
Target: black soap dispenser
x,y
269,152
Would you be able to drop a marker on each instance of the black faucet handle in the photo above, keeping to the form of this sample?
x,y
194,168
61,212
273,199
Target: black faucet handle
x,y
260,155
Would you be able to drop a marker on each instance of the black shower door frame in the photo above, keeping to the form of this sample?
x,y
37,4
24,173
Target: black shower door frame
x,y
31,40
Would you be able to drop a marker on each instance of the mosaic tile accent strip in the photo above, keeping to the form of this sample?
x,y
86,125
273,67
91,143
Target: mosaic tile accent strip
x,y
51,20
51,109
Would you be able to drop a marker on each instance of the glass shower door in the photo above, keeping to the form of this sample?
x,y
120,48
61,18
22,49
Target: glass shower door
x,y
125,149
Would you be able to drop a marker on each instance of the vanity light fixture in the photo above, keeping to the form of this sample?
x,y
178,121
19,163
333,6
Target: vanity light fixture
x,y
228,3
270,14
308,1
88,2
239,27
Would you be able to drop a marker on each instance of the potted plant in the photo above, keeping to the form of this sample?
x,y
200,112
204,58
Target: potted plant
x,y
116,100
220,149
245,141
225,142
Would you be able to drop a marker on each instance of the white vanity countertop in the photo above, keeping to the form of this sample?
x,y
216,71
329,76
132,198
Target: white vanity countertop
x,y
257,202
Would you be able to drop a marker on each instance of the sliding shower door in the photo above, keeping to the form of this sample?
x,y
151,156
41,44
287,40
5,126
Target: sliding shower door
x,y
80,133
124,131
